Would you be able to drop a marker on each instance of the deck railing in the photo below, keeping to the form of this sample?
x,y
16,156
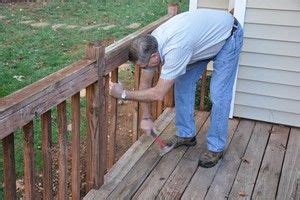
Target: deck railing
x,y
93,73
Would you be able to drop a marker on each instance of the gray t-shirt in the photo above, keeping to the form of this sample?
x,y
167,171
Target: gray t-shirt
x,y
189,37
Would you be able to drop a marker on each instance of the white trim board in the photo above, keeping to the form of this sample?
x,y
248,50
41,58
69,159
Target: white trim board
x,y
193,5
239,14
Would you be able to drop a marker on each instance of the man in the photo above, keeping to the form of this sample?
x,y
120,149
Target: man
x,y
183,46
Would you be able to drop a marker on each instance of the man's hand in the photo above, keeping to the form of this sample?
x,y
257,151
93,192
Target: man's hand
x,y
147,125
115,90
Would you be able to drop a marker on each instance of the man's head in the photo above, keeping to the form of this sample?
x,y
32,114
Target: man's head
x,y
143,51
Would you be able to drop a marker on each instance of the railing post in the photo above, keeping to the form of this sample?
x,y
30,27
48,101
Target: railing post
x,y
9,167
136,117
97,96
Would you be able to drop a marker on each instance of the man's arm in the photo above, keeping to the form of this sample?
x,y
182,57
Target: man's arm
x,y
146,83
156,93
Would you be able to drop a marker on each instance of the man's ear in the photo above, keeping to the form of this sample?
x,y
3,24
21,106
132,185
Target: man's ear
x,y
156,57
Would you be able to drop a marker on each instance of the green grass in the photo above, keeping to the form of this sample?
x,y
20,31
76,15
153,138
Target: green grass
x,y
37,52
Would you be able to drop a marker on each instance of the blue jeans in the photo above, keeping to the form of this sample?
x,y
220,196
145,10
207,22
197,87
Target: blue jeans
x,y
223,76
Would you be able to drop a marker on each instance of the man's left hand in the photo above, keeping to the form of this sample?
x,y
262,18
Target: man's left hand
x,y
115,90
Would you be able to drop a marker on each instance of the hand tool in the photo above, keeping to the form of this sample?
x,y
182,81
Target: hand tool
x,y
164,148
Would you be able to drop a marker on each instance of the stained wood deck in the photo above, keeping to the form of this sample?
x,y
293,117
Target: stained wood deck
x,y
262,161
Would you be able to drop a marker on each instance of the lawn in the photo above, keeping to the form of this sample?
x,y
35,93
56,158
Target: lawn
x,y
39,39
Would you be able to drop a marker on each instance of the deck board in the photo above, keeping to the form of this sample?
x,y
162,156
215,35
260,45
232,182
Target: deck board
x,y
261,161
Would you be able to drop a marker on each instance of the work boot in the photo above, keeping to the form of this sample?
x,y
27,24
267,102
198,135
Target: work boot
x,y
179,141
208,158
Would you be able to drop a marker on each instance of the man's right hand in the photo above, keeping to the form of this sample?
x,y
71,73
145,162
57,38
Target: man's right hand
x,y
147,125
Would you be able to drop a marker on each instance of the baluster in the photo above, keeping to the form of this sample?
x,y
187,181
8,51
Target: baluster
x,y
47,154
29,175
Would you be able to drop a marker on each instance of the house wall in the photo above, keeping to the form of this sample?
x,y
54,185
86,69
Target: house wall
x,y
268,84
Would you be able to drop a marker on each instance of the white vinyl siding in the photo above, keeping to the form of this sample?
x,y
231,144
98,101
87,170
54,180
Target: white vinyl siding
x,y
268,84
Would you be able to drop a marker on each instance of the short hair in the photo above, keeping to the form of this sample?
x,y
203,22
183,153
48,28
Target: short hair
x,y
142,48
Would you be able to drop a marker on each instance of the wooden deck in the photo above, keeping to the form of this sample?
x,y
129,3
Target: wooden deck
x,y
262,161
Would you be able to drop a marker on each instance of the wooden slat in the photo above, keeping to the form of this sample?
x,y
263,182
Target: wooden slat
x,y
75,100
47,154
139,172
203,89
129,159
9,168
136,105
169,99
159,175
29,172
90,135
224,178
247,173
97,122
197,187
113,124
157,178
62,143
269,173
21,107
290,176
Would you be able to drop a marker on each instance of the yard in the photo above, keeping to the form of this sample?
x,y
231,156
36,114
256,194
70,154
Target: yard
x,y
37,39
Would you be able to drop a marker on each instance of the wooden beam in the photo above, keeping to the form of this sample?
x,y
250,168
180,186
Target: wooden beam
x,y
9,167
29,172
46,122
75,100
203,89
136,105
113,124
62,143
19,108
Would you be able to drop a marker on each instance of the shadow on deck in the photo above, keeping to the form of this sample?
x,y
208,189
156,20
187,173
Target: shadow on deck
x,y
261,161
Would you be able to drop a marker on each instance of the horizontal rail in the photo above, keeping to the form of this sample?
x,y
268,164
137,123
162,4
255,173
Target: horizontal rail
x,y
22,106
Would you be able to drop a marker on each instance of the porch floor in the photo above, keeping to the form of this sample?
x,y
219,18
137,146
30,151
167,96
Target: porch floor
x,y
262,161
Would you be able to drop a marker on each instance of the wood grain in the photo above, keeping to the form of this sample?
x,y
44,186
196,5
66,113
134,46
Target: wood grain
x,y
136,105
130,158
9,168
29,171
75,185
203,177
158,177
113,124
203,89
224,178
62,143
289,186
47,154
269,173
247,173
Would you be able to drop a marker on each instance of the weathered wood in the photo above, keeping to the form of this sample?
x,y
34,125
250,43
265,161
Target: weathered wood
x,y
9,168
75,100
21,107
128,160
247,173
157,178
90,135
269,173
289,186
186,168
154,105
62,143
139,172
97,122
113,124
224,178
47,154
203,89
203,177
29,172
136,105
